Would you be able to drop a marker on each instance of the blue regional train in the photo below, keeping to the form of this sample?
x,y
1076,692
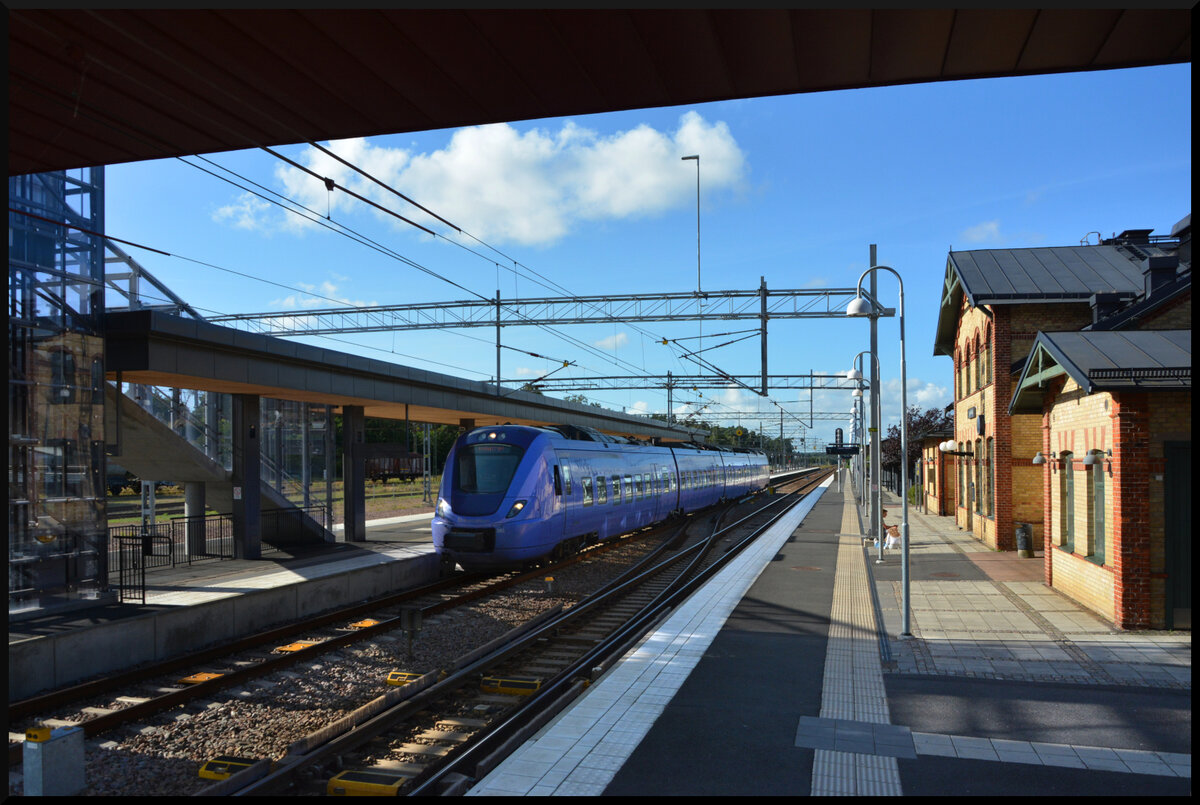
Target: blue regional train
x,y
514,494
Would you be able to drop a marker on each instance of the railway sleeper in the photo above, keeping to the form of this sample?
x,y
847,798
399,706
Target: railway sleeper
x,y
444,736
546,669
428,750
462,721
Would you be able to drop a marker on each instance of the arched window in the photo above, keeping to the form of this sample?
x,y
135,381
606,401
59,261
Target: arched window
x,y
1097,507
976,360
979,484
991,477
1066,502
987,353
958,362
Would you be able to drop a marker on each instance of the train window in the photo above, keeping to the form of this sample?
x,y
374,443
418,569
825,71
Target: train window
x,y
629,487
586,483
557,481
566,473
487,469
616,483
667,481
601,490
638,490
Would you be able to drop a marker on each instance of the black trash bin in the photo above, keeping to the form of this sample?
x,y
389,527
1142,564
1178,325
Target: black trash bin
x,y
1024,540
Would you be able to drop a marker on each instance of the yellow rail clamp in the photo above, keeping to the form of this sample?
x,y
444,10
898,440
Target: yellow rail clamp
x,y
510,685
363,624
203,676
401,678
220,768
37,735
363,783
298,645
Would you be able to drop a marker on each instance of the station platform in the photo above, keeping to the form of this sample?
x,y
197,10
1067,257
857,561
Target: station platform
x,y
787,675
191,606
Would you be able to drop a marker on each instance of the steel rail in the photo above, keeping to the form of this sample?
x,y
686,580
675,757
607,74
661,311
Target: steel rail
x,y
614,645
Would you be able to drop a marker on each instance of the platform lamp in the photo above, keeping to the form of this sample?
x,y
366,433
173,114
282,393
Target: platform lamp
x,y
856,374
861,307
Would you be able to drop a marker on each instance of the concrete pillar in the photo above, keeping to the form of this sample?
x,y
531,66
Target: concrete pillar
x,y
354,501
193,512
247,485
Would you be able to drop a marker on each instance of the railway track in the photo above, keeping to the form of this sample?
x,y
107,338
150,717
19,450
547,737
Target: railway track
x,y
471,714
137,695
446,732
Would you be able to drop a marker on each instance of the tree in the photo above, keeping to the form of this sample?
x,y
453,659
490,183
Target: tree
x,y
918,423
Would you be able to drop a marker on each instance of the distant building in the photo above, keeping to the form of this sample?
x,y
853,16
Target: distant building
x,y
937,495
1072,379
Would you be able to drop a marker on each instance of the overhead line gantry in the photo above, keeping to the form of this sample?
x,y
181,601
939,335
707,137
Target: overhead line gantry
x,y
760,304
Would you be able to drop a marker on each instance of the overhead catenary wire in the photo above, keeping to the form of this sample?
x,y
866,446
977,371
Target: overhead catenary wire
x,y
116,123
108,119
359,238
329,183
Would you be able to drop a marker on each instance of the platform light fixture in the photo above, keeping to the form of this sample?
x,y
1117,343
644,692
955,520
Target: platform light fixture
x,y
857,397
861,307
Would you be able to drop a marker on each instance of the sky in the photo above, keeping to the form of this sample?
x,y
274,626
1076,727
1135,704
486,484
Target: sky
x,y
792,189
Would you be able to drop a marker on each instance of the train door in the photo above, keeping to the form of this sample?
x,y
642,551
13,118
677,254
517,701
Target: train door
x,y
571,469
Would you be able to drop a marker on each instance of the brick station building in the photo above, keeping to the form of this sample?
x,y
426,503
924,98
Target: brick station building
x,y
1072,414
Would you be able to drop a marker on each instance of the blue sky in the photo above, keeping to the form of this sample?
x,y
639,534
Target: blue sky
x,y
794,189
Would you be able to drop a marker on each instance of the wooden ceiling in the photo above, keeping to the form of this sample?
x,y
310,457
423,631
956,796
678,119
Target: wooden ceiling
x,y
104,86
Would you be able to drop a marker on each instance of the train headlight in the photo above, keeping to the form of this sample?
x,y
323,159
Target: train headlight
x,y
516,509
443,508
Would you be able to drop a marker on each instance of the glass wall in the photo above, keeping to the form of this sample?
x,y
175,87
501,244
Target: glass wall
x,y
56,516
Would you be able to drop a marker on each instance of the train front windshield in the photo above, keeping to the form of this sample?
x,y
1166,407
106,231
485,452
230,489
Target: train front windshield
x,y
486,469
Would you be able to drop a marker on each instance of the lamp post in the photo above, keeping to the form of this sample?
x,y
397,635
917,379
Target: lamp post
x,y
861,307
697,158
699,302
856,374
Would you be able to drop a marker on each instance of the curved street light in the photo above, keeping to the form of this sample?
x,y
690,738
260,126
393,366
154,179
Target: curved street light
x,y
855,373
861,307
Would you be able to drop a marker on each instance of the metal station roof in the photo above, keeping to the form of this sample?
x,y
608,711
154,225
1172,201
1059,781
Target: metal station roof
x,y
1038,276
104,86
1127,360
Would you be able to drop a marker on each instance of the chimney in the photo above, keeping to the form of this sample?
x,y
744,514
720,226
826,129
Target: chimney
x,y
1183,231
1158,272
1104,305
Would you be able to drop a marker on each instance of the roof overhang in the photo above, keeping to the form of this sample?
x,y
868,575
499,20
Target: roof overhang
x,y
951,304
1165,366
158,349
106,85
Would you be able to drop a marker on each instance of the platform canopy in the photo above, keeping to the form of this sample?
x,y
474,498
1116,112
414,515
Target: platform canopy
x,y
103,86
158,349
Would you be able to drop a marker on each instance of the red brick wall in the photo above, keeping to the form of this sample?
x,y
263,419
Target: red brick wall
x,y
1131,509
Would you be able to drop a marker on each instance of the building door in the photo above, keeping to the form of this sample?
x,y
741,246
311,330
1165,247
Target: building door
x,y
1177,494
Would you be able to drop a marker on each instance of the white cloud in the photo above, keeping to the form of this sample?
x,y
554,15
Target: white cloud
x,y
987,231
328,297
247,211
532,188
640,407
612,342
